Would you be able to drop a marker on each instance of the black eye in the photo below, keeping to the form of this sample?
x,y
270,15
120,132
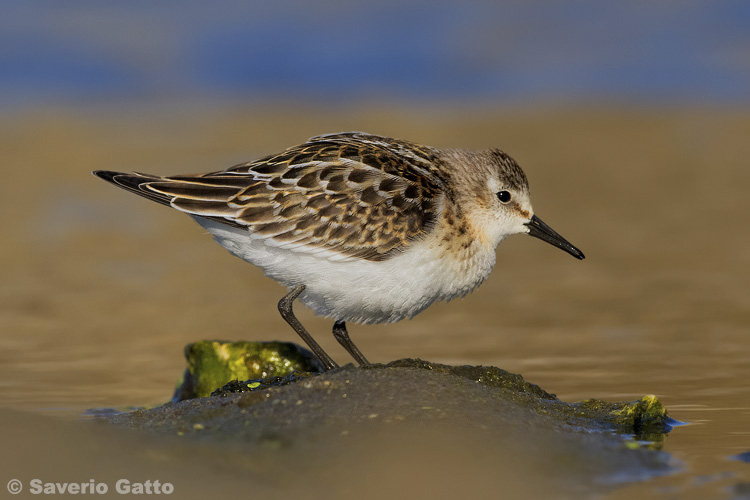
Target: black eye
x,y
503,196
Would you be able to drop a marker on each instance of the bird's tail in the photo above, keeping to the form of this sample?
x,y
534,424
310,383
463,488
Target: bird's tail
x,y
135,183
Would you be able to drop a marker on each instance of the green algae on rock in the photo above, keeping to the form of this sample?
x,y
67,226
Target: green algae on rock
x,y
214,363
646,418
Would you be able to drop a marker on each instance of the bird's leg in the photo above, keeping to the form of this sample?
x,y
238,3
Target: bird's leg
x,y
339,331
285,308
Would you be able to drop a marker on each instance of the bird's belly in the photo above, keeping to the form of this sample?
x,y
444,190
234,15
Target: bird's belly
x,y
386,291
362,291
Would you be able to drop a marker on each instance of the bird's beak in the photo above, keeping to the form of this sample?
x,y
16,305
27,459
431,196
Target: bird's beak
x,y
539,229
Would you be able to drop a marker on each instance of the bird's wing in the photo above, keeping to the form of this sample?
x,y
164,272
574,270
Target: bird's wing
x,y
349,195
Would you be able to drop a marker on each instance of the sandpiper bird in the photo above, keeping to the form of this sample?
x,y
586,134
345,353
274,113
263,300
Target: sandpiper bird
x,y
359,227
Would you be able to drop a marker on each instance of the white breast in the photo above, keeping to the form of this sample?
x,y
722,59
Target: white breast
x,y
364,291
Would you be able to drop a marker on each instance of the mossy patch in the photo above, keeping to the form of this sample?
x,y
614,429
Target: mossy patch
x,y
214,363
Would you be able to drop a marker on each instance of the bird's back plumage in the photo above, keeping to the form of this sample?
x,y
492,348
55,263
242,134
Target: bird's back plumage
x,y
354,195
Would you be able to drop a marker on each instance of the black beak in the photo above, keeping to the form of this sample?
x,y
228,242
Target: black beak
x,y
539,229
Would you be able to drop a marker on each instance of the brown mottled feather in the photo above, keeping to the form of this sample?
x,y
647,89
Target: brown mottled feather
x,y
355,194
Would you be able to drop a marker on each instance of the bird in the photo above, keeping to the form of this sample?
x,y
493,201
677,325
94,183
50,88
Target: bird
x,y
359,227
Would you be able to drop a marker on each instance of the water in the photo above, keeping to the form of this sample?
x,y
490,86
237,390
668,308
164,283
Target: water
x,y
101,290
410,50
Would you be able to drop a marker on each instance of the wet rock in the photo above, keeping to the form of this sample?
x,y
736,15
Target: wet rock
x,y
214,363
412,412
236,386
645,419
486,375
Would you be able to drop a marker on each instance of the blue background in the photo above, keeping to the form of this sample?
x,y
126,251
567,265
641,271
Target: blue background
x,y
89,52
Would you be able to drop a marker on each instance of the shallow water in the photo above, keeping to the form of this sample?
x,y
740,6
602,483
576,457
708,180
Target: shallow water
x,y
101,289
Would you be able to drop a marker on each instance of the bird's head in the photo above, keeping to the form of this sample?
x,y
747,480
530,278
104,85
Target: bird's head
x,y
495,193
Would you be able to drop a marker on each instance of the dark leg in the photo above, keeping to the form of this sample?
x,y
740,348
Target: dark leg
x,y
339,331
285,308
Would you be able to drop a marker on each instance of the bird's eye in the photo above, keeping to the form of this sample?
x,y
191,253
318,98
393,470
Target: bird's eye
x,y
503,196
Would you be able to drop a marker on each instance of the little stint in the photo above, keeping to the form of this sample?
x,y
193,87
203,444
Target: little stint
x,y
360,228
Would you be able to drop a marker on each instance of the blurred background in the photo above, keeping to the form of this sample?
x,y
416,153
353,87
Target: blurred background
x,y
631,120
337,53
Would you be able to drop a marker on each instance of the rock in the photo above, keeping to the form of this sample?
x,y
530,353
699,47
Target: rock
x,y
646,419
414,410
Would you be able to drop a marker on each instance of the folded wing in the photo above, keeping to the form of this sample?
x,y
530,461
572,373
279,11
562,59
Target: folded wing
x,y
353,195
